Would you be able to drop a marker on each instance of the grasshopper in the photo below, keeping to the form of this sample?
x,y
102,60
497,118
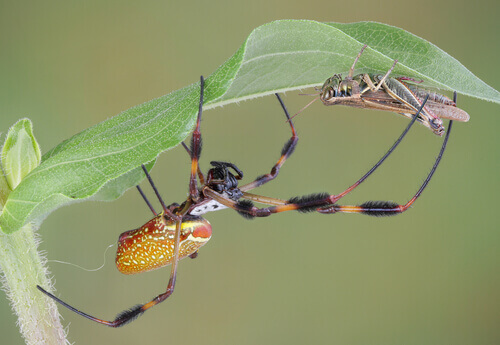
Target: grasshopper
x,y
376,91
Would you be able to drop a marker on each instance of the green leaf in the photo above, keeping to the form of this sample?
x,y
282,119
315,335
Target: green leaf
x,y
279,56
294,54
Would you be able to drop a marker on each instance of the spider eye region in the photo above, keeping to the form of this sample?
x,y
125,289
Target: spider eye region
x,y
152,245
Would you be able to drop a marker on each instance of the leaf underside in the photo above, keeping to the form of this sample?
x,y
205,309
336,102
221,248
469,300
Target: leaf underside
x,y
280,56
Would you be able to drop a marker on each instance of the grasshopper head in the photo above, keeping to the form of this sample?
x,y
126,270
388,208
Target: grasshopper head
x,y
334,89
330,88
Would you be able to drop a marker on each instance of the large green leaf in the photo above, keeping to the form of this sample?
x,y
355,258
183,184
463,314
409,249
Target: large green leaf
x,y
279,56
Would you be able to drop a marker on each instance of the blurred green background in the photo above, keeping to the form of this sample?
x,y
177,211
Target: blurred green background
x,y
429,276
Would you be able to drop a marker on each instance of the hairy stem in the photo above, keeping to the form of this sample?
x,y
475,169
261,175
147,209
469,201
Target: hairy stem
x,y
23,268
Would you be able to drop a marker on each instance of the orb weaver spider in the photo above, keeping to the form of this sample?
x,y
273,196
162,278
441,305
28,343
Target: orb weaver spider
x,y
179,230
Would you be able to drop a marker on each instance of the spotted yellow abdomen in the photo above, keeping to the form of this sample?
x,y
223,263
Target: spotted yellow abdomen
x,y
152,245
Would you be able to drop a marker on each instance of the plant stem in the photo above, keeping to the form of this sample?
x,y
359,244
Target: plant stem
x,y
23,268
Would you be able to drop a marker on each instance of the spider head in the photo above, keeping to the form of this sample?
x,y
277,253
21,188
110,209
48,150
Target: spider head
x,y
221,179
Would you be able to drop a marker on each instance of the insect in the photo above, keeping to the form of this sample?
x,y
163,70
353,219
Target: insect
x,y
376,91
179,230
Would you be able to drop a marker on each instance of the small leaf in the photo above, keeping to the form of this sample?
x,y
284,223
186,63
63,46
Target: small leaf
x,y
279,56
20,152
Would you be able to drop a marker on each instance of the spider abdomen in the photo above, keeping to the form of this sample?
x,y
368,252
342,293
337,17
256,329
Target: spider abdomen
x,y
152,245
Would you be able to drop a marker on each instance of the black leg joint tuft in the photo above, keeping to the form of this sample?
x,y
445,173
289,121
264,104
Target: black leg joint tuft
x,y
243,207
309,203
380,208
128,315
289,147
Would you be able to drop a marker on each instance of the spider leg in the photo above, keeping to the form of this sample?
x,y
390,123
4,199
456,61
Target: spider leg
x,y
263,199
166,210
287,150
196,147
201,177
146,200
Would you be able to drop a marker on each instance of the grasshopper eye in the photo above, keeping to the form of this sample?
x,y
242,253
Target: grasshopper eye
x,y
328,92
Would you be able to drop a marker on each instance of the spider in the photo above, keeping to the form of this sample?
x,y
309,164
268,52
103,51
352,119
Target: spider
x,y
179,230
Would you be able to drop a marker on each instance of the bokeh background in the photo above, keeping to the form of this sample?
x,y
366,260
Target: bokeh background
x,y
429,276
